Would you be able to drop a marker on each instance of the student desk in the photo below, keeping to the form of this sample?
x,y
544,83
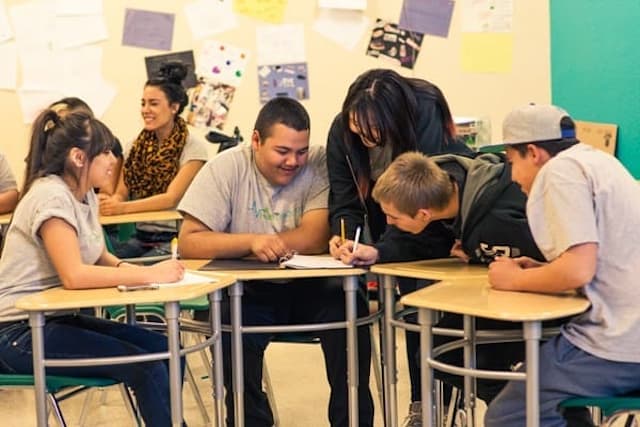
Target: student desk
x,y
350,286
148,216
57,299
436,269
474,297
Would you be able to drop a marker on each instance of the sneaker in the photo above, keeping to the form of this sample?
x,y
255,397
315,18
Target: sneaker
x,y
414,419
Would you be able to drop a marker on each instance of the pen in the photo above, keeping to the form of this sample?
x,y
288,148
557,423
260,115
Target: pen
x,y
343,233
356,239
174,248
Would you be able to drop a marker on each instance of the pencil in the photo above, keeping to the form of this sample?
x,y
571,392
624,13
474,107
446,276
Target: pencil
x,y
343,233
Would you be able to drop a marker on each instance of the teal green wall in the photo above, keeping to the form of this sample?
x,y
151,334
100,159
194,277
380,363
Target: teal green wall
x,y
595,67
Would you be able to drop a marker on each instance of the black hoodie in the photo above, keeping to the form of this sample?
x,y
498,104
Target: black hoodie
x,y
491,219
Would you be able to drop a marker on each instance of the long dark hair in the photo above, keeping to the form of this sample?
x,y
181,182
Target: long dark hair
x,y
385,106
169,80
53,137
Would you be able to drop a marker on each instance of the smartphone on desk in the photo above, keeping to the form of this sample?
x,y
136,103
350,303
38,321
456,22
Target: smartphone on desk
x,y
146,287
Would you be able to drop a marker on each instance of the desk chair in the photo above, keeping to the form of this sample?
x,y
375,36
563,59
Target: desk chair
x,y
60,388
611,408
152,315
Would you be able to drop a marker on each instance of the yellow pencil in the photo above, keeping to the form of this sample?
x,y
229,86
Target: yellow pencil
x,y
343,233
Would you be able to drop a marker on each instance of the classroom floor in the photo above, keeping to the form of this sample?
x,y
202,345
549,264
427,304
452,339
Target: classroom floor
x,y
297,375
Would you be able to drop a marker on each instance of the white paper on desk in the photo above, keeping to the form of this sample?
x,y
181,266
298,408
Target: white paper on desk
x,y
313,261
190,278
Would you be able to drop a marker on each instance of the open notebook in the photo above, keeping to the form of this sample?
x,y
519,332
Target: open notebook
x,y
292,261
312,261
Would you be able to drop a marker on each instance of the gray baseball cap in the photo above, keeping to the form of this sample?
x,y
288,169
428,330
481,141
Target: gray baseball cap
x,y
535,123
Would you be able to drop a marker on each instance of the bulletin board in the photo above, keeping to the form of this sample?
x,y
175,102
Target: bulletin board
x,y
514,70
596,70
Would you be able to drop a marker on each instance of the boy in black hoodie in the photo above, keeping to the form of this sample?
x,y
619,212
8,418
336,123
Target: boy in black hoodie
x,y
476,199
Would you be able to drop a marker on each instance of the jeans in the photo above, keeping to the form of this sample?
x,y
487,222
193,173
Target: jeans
x,y
303,301
80,336
565,371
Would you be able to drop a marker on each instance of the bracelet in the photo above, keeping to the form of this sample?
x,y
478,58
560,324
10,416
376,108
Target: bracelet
x,y
120,263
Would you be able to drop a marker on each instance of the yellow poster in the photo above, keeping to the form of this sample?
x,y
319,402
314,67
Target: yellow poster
x,y
266,10
487,52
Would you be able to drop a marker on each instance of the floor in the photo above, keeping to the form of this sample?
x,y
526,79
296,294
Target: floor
x,y
297,375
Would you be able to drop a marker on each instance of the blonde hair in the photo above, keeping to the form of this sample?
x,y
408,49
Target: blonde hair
x,y
413,181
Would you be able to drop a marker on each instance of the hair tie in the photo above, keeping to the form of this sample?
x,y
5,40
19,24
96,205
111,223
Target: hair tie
x,y
50,124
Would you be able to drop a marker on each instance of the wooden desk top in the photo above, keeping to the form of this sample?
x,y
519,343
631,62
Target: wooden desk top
x,y
475,297
5,218
276,274
434,269
150,216
61,299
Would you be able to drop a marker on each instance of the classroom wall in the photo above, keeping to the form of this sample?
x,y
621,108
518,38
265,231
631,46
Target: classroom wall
x,y
331,69
596,67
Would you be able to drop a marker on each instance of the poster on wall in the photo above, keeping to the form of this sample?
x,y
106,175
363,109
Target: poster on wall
x,y
290,80
209,104
153,64
222,62
148,29
389,41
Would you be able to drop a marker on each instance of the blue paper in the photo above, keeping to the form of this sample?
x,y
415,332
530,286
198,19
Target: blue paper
x,y
151,30
427,16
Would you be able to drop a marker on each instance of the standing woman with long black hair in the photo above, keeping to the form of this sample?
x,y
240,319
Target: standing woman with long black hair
x,y
384,115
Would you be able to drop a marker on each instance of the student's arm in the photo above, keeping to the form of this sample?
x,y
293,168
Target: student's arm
x,y
573,269
8,201
196,240
312,235
167,200
75,274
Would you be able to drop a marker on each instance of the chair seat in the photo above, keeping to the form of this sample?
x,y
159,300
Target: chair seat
x,y
195,304
608,405
54,382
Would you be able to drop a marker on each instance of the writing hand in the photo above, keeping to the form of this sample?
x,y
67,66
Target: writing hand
x,y
334,246
363,255
168,271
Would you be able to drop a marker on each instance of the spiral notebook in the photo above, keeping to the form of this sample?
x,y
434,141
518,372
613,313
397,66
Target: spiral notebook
x,y
290,261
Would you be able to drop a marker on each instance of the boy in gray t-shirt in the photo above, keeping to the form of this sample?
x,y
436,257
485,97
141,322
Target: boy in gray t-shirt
x,y
265,199
584,212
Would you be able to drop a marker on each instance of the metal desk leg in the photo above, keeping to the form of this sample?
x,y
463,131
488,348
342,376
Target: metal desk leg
x,y
532,334
237,364
36,321
172,311
216,352
350,286
390,377
425,320
470,363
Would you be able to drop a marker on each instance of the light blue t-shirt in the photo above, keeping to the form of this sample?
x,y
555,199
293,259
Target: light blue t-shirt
x,y
585,195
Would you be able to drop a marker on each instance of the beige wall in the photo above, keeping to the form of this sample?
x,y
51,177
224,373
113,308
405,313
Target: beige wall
x,y
331,70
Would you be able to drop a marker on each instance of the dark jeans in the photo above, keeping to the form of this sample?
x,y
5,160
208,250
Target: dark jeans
x,y
301,301
79,336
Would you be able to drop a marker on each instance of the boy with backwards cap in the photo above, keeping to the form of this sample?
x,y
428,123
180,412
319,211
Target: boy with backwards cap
x,y
584,211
